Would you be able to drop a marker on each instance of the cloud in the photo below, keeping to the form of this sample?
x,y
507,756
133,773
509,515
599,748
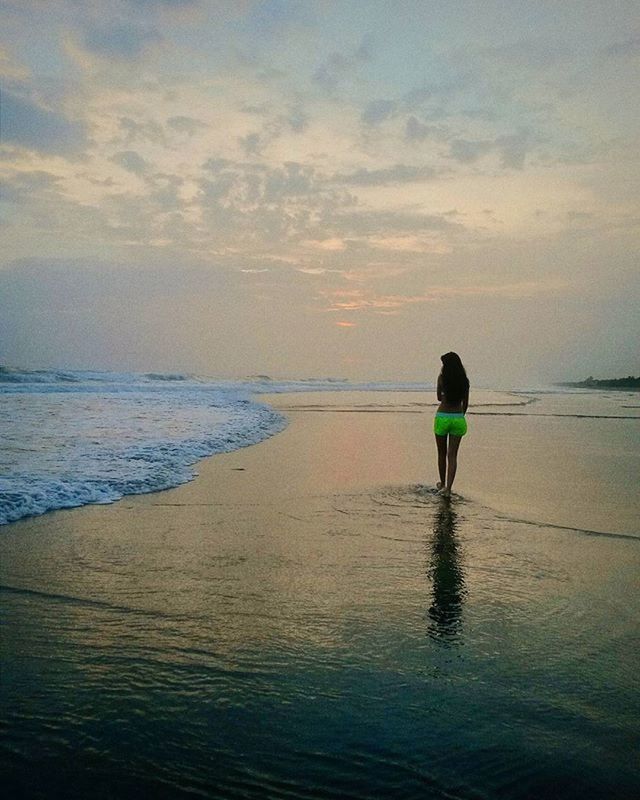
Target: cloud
x,y
329,74
511,148
398,173
188,125
297,119
29,125
416,131
131,161
126,40
145,131
339,66
22,186
466,151
319,271
346,301
291,180
273,18
294,120
367,223
377,111
252,143
331,245
249,185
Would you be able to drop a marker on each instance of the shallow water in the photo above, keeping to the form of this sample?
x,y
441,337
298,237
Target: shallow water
x,y
426,650
566,458
293,639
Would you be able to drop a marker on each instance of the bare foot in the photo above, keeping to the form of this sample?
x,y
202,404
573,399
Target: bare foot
x,y
445,492
439,485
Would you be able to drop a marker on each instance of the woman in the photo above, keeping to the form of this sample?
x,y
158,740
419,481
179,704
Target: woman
x,y
450,424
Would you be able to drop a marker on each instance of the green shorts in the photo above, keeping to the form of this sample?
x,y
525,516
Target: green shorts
x,y
454,424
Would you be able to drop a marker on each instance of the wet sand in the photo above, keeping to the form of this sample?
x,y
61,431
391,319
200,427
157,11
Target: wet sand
x,y
308,619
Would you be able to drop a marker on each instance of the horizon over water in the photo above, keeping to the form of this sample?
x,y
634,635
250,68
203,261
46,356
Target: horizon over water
x,y
309,620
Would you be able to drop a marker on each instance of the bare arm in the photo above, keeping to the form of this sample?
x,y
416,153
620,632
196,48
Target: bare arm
x,y
439,388
465,402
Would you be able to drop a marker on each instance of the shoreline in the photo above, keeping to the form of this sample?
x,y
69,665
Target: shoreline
x,y
389,436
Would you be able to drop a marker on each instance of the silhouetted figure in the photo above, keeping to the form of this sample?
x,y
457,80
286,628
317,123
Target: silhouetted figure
x,y
450,424
445,570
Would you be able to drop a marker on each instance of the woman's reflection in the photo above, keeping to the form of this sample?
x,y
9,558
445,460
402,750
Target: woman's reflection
x,y
445,572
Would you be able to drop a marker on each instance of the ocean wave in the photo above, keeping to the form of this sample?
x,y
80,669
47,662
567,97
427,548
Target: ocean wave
x,y
161,376
10,375
68,450
14,375
13,379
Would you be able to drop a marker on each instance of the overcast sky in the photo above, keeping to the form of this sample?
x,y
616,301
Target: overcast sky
x,y
343,188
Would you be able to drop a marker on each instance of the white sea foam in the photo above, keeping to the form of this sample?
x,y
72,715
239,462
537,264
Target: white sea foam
x,y
71,438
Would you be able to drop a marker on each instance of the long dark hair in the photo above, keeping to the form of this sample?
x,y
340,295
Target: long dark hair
x,y
455,383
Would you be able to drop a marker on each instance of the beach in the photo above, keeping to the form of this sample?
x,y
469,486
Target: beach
x,y
308,618
255,253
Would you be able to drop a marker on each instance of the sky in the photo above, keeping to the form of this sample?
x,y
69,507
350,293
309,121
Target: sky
x,y
321,189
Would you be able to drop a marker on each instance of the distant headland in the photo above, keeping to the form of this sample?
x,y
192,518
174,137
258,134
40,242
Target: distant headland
x,y
606,383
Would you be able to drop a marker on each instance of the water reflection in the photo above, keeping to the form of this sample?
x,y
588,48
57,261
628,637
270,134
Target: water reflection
x,y
447,576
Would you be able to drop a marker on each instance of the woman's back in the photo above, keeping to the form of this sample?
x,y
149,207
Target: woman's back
x,y
453,385
451,406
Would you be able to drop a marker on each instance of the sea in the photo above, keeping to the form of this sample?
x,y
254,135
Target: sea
x,y
318,623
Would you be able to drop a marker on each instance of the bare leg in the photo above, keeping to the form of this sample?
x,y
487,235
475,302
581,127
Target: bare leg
x,y
452,460
441,442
